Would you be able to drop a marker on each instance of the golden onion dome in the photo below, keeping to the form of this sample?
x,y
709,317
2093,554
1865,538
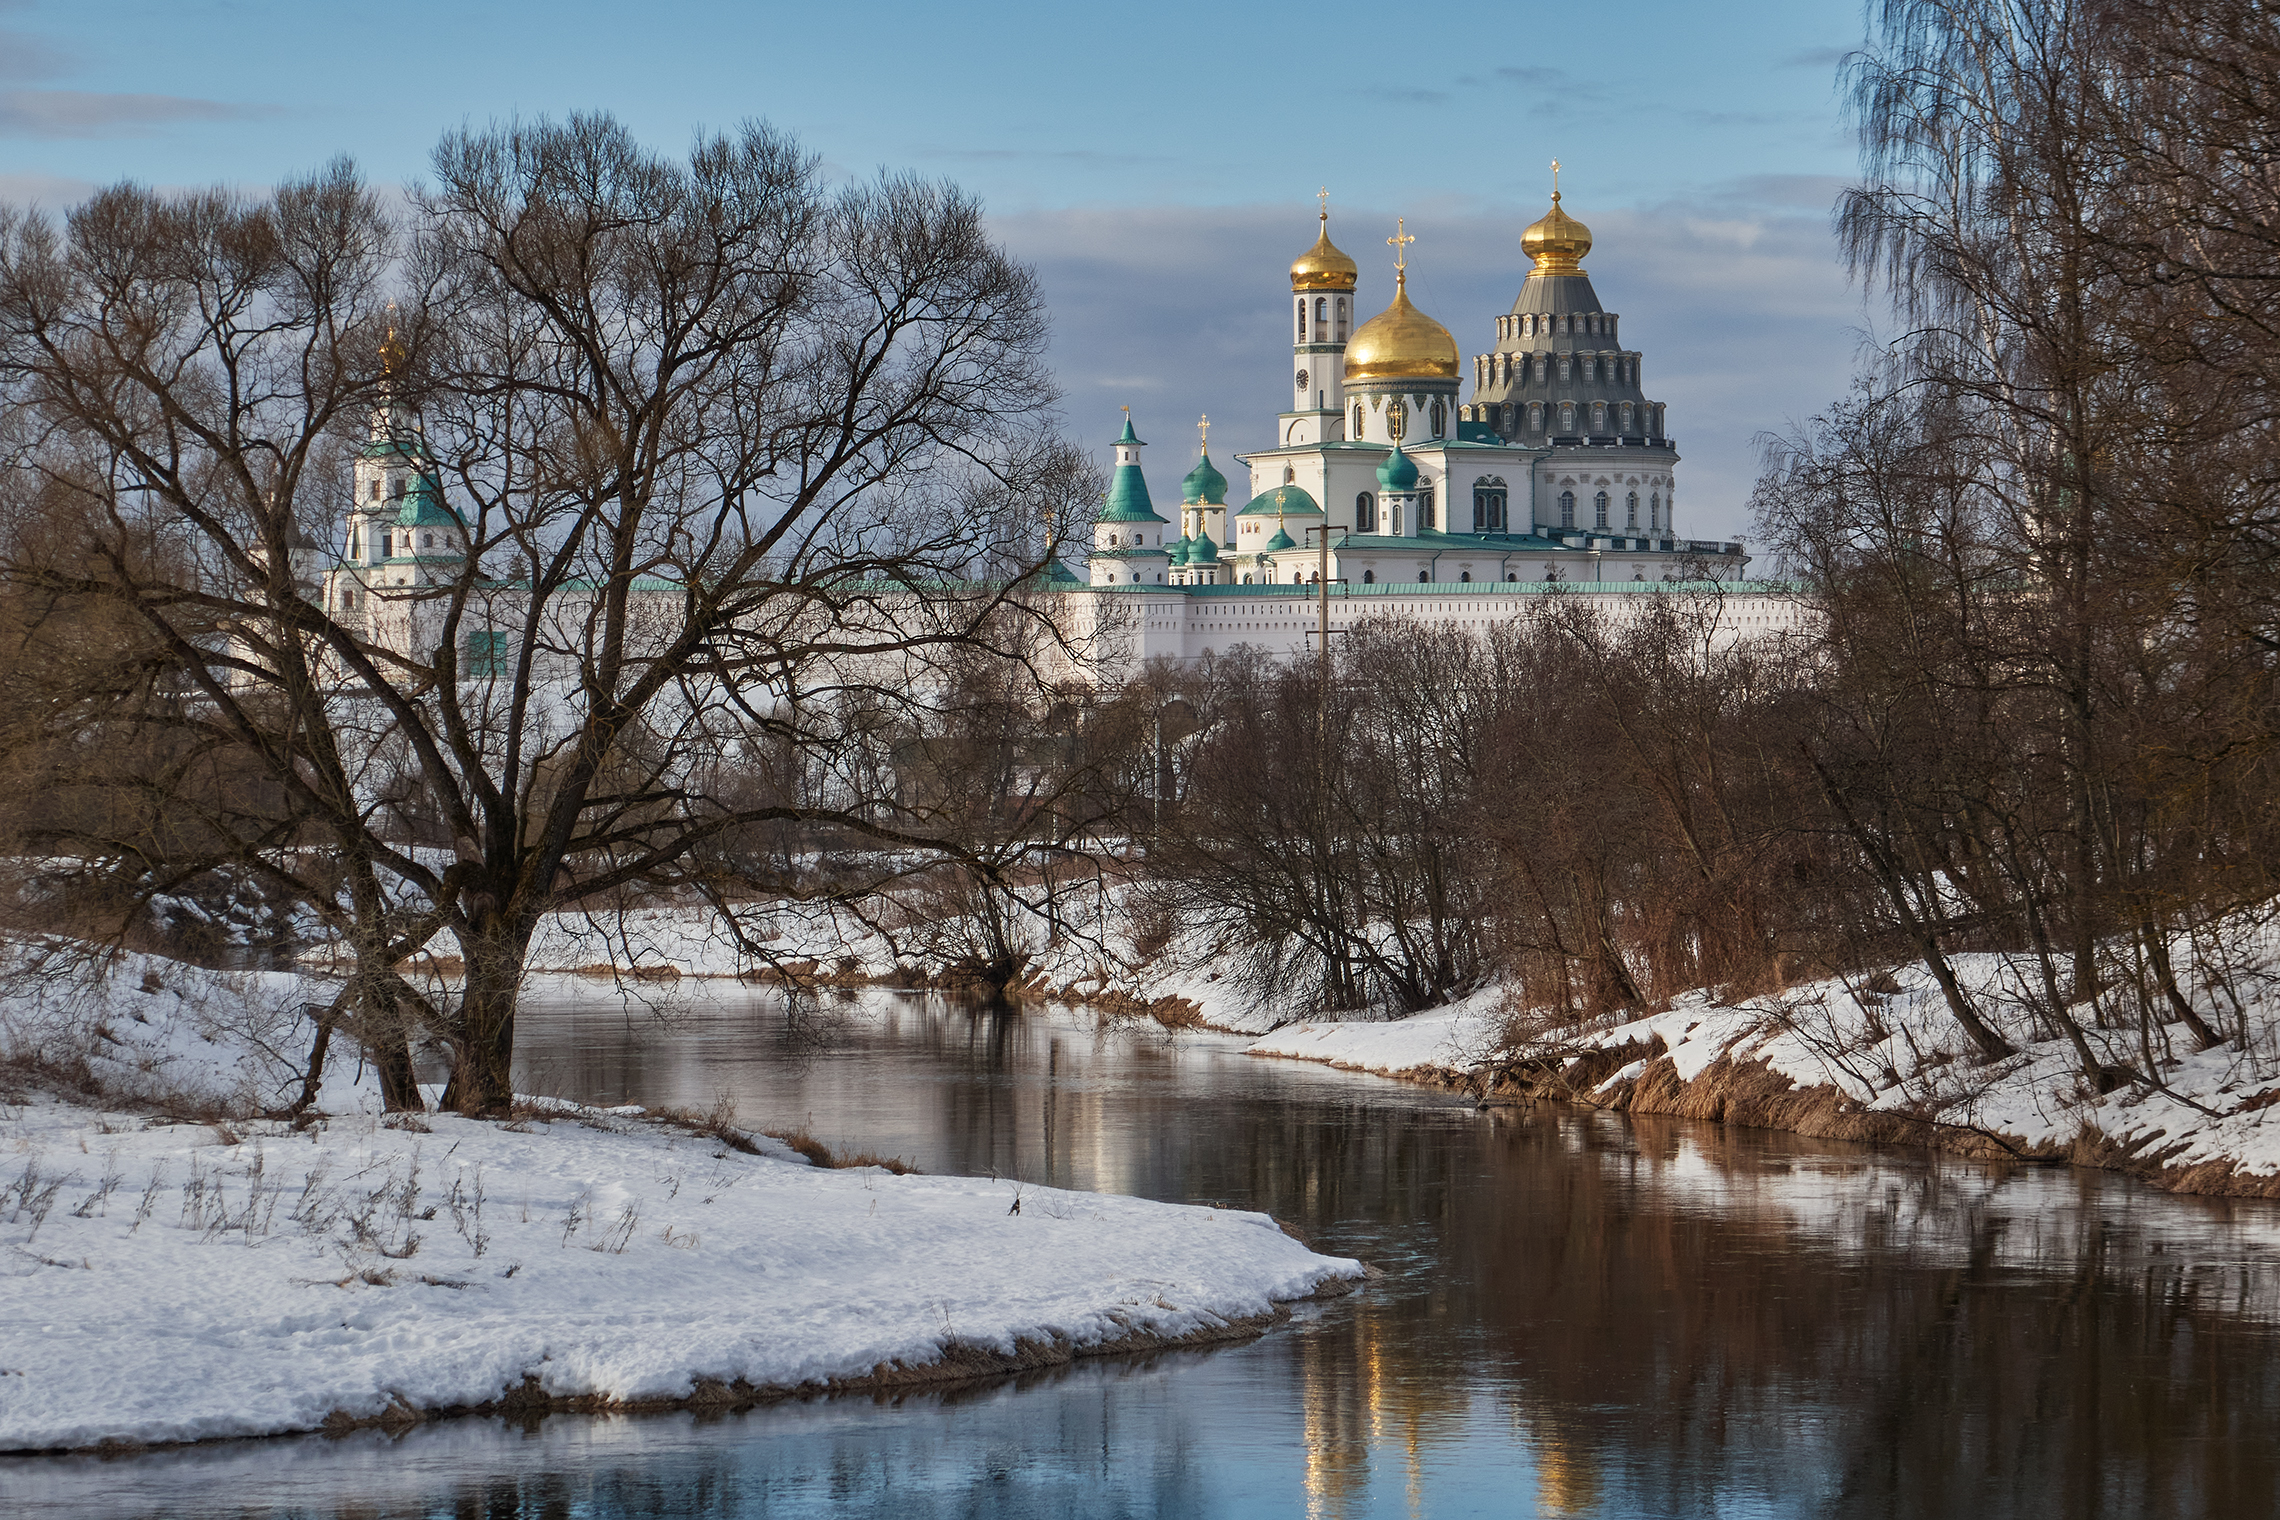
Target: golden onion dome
x,y
1323,267
1401,343
1557,243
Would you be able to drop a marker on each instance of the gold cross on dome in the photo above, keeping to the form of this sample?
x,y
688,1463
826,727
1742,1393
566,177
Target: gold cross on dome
x,y
1203,431
1323,195
1400,242
1555,179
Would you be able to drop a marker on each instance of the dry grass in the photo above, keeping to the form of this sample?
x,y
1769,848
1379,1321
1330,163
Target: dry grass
x,y
823,1155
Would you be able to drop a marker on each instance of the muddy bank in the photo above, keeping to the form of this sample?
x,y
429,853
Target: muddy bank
x,y
1752,1093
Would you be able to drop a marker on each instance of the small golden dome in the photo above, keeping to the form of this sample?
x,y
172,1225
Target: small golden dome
x,y
1558,243
1323,267
1401,343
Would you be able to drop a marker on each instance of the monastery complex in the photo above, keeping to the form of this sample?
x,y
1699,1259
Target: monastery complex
x,y
1557,476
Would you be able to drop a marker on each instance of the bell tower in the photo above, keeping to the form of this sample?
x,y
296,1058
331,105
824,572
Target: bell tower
x,y
1322,314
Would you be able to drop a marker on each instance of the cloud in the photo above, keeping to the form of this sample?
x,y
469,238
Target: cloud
x,y
23,56
50,192
1088,157
1738,302
1815,58
1401,94
1701,118
85,113
1797,192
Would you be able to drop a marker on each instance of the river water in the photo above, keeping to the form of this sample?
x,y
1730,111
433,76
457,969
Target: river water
x,y
1581,1315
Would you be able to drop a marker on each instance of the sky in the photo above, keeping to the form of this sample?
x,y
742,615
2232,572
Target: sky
x,y
1156,164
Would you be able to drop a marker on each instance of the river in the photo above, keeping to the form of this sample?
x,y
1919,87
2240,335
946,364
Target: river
x,y
1581,1314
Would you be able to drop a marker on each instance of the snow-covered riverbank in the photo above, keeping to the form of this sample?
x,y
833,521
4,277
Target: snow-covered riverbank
x,y
1837,1060
172,1270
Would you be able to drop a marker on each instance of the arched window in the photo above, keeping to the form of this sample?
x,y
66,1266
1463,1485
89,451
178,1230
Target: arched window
x,y
1488,506
1599,510
1321,313
1357,422
375,488
427,540
1535,416
1290,474
1112,540
1302,319
1567,509
1512,575
1341,319
1369,577
401,486
1599,416
1365,513
1567,417
1466,576
1440,419
1654,512
1631,515
1396,419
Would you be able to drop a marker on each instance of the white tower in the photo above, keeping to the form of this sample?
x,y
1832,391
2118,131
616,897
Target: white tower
x,y
1322,313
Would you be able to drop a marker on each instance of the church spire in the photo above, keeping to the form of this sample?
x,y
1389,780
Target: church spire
x,y
1322,281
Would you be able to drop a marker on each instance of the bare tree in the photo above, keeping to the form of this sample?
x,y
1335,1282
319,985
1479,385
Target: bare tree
x,y
731,461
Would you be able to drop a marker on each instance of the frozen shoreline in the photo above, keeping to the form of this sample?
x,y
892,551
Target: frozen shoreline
x,y
248,1280
1833,1060
174,1271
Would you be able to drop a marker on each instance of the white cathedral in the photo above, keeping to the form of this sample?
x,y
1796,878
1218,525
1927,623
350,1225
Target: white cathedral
x,y
1558,474
1383,493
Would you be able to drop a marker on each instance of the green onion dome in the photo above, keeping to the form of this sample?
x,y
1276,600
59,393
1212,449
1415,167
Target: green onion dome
x,y
1281,541
1204,485
1398,473
1203,551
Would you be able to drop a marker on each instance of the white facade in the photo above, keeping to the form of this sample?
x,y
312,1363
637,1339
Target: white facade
x,y
1556,472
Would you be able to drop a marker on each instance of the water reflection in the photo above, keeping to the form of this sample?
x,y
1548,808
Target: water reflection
x,y
1581,1316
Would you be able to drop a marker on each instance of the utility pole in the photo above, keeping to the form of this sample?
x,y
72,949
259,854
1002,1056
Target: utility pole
x,y
1322,625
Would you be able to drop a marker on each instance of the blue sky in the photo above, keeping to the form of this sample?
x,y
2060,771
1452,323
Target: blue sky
x,y
1157,164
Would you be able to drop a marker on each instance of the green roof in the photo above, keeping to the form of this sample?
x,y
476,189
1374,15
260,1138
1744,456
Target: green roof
x,y
1203,551
1128,497
1129,435
1181,550
1398,473
423,507
1061,575
395,446
1204,484
1281,501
